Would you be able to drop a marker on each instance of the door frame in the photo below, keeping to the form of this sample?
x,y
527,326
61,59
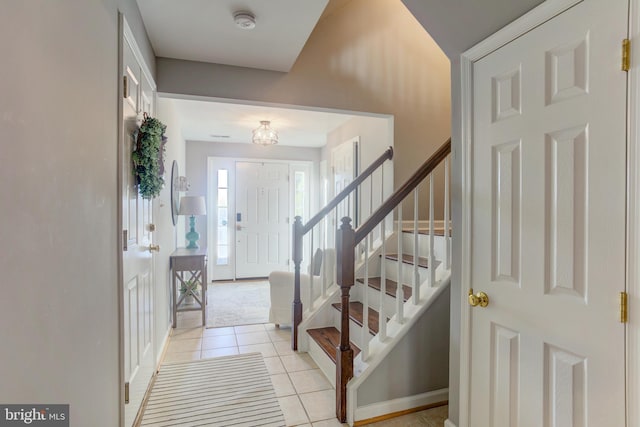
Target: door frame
x,y
633,217
213,163
517,28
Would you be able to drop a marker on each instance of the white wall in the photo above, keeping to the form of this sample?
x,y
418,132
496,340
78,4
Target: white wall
x,y
376,135
166,234
58,150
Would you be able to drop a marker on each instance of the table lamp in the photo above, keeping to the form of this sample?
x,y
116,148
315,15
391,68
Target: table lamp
x,y
192,205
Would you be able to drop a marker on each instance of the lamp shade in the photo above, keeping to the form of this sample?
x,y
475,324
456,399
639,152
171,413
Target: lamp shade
x,y
192,205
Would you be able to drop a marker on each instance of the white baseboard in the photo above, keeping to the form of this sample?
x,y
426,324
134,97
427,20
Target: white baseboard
x,y
448,423
163,346
402,404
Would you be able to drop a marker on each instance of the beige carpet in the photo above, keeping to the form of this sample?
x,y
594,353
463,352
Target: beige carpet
x,y
237,303
225,391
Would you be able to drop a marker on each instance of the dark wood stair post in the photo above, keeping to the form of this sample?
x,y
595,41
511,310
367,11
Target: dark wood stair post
x,y
345,246
297,260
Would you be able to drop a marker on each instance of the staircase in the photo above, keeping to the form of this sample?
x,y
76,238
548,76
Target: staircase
x,y
384,346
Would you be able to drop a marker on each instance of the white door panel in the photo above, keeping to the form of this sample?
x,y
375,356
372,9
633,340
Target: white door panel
x,y
262,211
548,224
137,260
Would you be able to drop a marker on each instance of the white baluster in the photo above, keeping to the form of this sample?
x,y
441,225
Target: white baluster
x,y
311,276
382,327
416,251
431,263
323,244
447,225
399,293
371,206
365,303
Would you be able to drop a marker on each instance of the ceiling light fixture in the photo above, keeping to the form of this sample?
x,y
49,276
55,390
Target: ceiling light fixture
x,y
264,135
244,20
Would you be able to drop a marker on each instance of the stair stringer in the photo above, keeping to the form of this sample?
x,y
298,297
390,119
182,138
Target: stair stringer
x,y
321,316
379,351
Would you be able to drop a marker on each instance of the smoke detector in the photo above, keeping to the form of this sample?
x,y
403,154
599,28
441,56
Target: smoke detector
x,y
244,20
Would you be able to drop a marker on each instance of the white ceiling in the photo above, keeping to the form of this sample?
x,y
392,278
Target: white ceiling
x,y
204,30
225,122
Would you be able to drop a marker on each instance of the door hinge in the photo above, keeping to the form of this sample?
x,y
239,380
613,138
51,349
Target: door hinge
x,y
125,239
125,87
624,310
126,392
626,54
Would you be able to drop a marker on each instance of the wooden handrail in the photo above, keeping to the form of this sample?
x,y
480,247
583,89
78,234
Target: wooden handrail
x,y
348,239
299,230
387,155
402,192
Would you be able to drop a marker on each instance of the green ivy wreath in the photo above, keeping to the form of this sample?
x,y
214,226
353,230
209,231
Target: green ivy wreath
x,y
148,162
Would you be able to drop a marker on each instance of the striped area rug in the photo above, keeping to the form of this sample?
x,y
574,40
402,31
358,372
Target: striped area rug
x,y
225,391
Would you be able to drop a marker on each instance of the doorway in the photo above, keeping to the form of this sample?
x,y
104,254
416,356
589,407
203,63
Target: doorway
x,y
253,203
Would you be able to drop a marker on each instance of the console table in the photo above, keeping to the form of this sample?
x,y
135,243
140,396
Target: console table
x,y
188,267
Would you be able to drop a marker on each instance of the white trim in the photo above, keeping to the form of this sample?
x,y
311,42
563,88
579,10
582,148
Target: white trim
x,y
520,26
163,346
401,404
527,22
633,220
137,53
448,423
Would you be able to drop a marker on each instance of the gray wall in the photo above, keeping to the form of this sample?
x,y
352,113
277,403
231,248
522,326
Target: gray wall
x,y
58,150
198,152
425,349
370,56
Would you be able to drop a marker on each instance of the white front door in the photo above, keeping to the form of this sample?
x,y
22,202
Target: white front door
x,y
548,224
137,259
262,218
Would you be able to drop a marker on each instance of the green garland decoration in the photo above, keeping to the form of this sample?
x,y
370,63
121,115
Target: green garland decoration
x,y
148,162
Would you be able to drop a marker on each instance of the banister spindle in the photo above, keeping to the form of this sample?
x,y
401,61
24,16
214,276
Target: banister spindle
x,y
447,225
416,252
323,244
432,263
370,207
346,274
365,303
297,259
399,293
311,271
382,318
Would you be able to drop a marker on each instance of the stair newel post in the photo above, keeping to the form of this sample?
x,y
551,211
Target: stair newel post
x,y
297,260
346,276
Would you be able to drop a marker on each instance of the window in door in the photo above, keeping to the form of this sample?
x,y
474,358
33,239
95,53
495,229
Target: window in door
x,y
222,226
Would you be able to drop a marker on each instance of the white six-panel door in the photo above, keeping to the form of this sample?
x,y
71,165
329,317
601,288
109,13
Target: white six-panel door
x,y
262,218
548,224
138,309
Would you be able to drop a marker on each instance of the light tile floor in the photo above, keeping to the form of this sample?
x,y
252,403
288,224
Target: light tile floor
x,y
305,395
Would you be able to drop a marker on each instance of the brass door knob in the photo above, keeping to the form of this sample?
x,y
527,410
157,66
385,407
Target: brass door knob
x,y
154,248
480,299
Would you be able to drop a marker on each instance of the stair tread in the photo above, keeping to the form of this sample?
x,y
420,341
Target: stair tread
x,y
329,339
356,313
391,287
408,259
